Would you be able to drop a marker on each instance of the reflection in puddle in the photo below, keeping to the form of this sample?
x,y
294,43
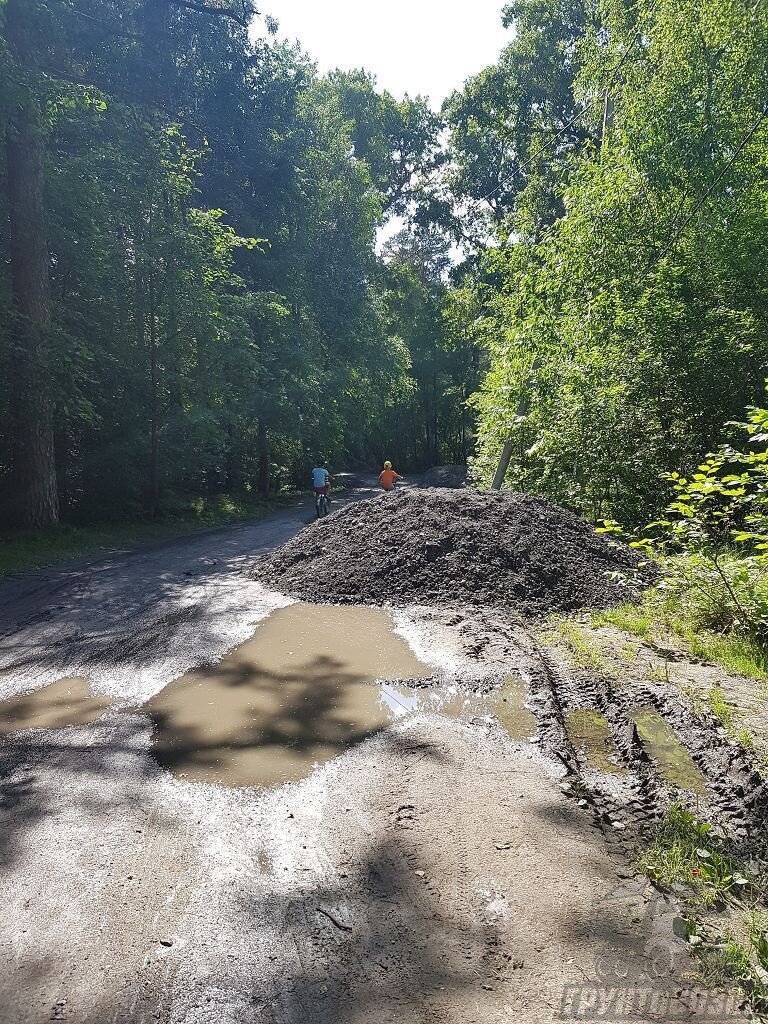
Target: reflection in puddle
x,y
661,743
296,694
507,704
590,733
63,703
397,701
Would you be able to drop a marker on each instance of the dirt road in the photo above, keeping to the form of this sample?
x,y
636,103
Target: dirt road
x,y
131,622
433,872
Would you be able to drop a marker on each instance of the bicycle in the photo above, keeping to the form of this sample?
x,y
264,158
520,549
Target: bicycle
x,y
322,505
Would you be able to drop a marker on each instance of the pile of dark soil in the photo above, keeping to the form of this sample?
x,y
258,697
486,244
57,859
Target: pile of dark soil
x,y
441,546
444,476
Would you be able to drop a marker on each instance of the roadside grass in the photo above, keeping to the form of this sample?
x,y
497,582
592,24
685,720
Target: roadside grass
x,y
663,620
628,651
685,852
25,550
687,857
582,651
721,708
659,674
726,713
659,619
725,964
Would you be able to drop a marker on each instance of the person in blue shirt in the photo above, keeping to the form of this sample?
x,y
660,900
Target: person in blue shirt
x,y
321,480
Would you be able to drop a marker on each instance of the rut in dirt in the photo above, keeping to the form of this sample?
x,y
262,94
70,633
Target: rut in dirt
x,y
436,546
630,751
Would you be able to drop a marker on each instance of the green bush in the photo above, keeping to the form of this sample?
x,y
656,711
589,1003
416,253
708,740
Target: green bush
x,y
685,852
713,540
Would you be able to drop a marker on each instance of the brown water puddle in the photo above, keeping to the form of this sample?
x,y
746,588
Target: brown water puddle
x,y
299,692
590,733
660,743
296,694
508,705
63,703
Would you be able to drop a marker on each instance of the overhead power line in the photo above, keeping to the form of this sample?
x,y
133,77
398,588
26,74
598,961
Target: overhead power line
x,y
566,127
670,246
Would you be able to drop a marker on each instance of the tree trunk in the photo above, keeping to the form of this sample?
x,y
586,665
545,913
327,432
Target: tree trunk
x,y
263,477
231,463
429,461
522,412
35,493
435,461
154,400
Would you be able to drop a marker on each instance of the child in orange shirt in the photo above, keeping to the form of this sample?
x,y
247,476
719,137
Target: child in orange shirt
x,y
388,476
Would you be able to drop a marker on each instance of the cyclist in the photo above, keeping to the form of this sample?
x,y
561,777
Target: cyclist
x,y
321,482
388,477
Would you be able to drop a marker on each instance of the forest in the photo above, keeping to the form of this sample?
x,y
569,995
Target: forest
x,y
193,301
484,739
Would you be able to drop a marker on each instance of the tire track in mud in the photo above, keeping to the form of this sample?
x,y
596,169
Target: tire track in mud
x,y
490,646
736,797
408,822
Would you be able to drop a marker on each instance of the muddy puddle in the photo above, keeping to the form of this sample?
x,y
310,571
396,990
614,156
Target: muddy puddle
x,y
296,694
310,683
300,692
506,704
590,733
63,703
662,746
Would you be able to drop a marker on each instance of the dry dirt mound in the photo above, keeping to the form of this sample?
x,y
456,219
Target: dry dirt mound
x,y
444,476
434,546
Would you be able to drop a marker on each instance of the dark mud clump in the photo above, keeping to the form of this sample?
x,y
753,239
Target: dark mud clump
x,y
444,476
436,546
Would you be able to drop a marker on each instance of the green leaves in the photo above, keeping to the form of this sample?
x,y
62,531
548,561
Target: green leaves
x,y
630,250
715,538
685,852
219,308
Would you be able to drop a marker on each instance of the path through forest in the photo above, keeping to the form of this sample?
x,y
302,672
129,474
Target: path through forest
x,y
437,870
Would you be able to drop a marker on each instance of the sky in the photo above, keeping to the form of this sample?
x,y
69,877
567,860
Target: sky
x,y
419,47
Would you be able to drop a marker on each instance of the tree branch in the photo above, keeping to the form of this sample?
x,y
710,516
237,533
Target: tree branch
x,y
224,12
190,5
123,95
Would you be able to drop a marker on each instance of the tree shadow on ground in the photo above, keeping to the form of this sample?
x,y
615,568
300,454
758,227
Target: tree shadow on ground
x,y
378,946
245,724
395,902
74,648
107,763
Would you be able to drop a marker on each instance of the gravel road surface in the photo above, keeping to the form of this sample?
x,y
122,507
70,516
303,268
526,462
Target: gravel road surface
x,y
434,872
